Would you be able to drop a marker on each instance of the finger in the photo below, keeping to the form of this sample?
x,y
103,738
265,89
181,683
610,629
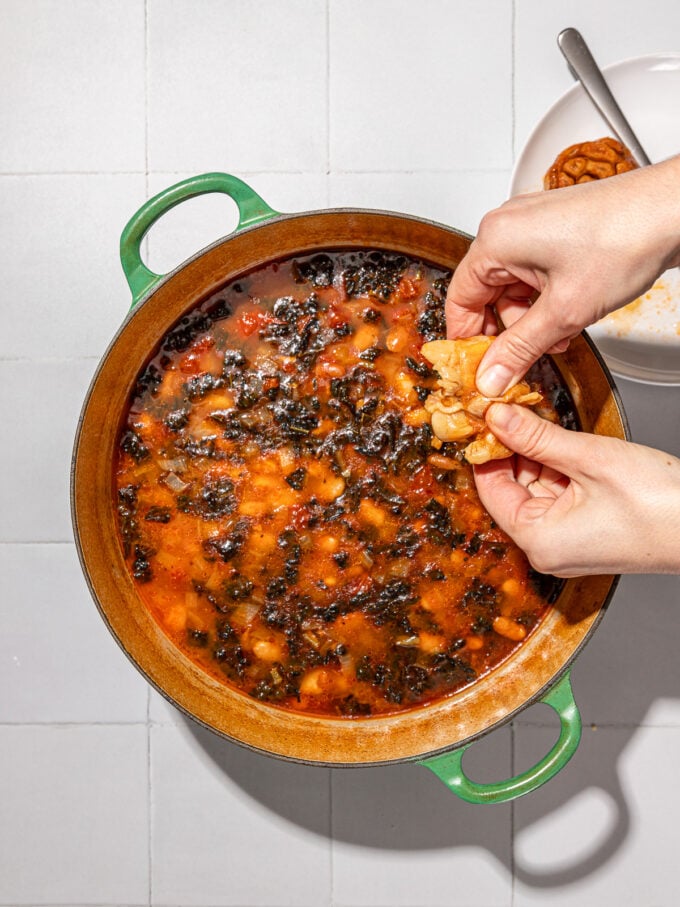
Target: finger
x,y
476,284
511,308
538,489
519,346
565,452
490,324
466,301
539,480
526,471
552,482
560,347
510,504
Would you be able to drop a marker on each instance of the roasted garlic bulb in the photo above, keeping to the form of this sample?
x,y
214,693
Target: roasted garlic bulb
x,y
457,408
588,161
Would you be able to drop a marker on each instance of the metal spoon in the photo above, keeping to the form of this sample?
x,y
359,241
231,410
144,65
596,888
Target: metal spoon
x,y
586,70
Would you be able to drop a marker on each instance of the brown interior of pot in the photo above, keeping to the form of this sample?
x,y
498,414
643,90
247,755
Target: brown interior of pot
x,y
408,735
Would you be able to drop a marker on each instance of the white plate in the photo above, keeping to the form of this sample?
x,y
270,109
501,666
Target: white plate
x,y
641,341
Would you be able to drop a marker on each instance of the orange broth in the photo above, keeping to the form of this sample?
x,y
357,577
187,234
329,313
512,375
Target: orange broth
x,y
285,511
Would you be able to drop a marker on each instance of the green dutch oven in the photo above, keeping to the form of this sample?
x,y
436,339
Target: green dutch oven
x,y
436,735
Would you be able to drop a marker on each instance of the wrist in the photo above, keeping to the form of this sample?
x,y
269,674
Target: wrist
x,y
662,210
658,532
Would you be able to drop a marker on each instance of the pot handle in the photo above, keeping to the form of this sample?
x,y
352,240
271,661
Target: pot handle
x,y
449,769
251,209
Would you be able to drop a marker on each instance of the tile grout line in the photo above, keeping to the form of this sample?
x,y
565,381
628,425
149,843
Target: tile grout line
x,y
513,112
328,101
36,542
146,92
31,360
512,810
149,819
513,727
420,171
70,724
151,723
145,240
149,811
331,841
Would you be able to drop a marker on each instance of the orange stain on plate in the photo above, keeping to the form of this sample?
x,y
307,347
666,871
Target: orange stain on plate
x,y
646,314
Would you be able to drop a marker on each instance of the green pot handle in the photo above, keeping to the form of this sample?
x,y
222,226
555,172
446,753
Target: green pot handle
x,y
449,769
251,209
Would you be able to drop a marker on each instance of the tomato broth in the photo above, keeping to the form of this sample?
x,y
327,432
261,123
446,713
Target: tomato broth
x,y
288,516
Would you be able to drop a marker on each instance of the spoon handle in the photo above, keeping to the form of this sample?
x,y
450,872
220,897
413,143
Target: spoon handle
x,y
583,65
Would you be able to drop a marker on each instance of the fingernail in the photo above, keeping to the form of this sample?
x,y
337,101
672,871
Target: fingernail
x,y
494,380
502,416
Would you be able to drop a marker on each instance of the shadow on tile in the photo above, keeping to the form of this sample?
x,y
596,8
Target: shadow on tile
x,y
626,676
573,800
398,807
629,666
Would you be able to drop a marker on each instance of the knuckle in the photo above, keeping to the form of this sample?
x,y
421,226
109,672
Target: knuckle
x,y
494,225
518,349
487,225
535,436
540,549
565,316
543,561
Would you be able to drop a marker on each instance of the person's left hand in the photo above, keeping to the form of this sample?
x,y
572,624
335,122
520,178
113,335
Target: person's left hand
x,y
578,503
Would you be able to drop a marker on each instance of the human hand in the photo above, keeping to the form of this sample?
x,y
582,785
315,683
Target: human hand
x,y
578,503
585,250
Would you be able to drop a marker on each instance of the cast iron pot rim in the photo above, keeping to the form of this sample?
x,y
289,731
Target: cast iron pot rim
x,y
276,219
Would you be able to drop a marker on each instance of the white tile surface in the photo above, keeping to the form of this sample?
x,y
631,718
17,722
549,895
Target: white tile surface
x,y
230,827
642,29
643,403
401,838
201,221
75,74
75,815
40,403
237,82
59,255
369,103
163,712
423,86
459,199
612,684
58,663
602,833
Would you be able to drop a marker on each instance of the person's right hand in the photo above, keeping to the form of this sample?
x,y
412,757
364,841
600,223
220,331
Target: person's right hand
x,y
585,250
578,503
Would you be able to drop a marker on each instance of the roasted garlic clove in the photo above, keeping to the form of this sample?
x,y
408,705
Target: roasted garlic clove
x,y
457,408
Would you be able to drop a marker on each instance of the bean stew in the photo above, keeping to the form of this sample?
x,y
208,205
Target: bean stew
x,y
287,514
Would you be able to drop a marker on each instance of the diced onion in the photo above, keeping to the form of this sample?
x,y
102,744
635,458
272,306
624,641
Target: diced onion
x,y
245,614
366,559
178,464
174,483
407,642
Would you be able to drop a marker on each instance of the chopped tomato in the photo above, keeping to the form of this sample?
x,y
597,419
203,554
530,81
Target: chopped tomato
x,y
189,364
406,288
252,320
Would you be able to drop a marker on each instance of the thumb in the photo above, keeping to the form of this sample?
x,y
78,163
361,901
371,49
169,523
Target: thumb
x,y
520,345
535,438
